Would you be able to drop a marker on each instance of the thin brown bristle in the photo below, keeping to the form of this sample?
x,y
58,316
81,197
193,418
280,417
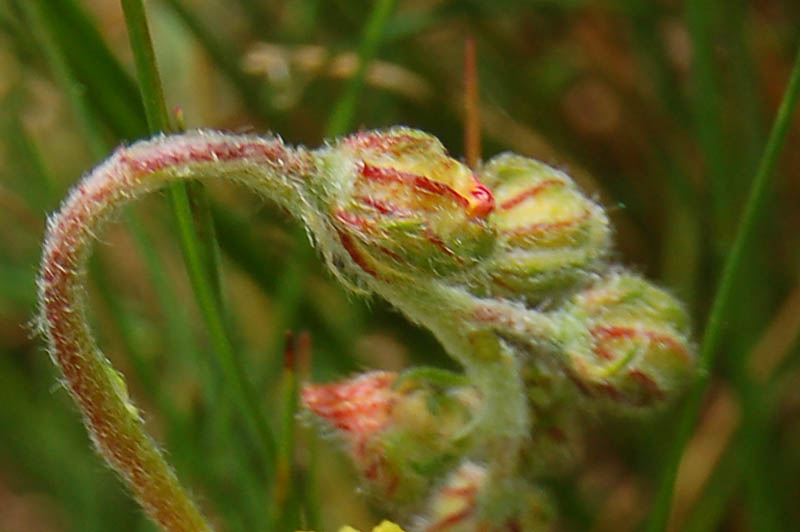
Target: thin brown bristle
x,y
472,130
289,358
304,354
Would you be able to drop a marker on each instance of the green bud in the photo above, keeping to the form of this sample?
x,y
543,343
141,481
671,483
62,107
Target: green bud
x,y
549,235
459,505
625,339
400,204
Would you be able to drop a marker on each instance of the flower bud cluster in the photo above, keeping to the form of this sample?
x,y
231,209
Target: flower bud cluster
x,y
509,260
405,215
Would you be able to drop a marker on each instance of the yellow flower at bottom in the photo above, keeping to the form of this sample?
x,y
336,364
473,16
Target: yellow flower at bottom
x,y
387,526
384,526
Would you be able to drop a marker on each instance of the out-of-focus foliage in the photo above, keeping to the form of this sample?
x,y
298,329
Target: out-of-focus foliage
x,y
659,109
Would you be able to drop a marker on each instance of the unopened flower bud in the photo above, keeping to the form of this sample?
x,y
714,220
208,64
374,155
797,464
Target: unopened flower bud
x,y
626,339
403,431
457,505
549,235
400,204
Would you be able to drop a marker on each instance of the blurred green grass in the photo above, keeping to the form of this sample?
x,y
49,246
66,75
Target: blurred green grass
x,y
660,109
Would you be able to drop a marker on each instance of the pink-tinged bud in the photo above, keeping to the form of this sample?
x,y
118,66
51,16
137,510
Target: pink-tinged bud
x,y
359,407
627,340
402,431
549,235
400,204
457,506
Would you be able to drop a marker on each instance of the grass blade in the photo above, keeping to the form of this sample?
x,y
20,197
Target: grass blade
x,y
341,117
723,301
149,79
200,269
284,516
113,93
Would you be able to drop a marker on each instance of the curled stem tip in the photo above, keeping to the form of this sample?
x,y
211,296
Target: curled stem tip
x,y
114,423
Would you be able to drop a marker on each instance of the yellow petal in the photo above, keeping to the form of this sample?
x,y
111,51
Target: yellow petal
x,y
387,526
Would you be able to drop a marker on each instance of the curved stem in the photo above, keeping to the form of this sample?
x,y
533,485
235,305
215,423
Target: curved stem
x,y
472,329
113,422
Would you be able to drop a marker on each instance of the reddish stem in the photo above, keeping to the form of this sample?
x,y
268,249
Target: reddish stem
x,y
114,424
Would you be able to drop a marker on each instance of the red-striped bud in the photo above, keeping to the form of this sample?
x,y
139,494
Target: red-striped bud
x,y
400,204
625,339
458,505
549,235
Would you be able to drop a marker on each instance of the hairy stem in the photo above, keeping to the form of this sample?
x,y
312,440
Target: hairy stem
x,y
472,329
114,424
